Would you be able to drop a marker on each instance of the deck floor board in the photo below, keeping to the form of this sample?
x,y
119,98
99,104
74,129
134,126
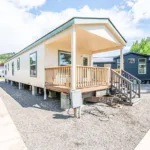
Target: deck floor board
x,y
83,90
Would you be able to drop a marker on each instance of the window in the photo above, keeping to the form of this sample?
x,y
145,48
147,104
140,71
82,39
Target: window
x,y
142,66
85,61
131,60
118,63
5,69
33,64
12,68
118,66
118,60
64,58
18,64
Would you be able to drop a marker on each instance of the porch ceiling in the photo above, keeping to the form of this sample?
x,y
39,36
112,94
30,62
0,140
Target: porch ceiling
x,y
85,40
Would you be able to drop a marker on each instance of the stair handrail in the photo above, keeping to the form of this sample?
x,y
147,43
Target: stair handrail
x,y
130,75
134,78
115,76
121,76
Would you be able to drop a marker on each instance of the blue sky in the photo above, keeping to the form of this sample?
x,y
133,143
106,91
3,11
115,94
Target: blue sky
x,y
59,5
33,19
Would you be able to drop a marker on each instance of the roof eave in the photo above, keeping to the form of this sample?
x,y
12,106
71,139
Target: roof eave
x,y
57,30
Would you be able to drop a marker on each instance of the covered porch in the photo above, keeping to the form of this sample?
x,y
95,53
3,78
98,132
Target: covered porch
x,y
80,41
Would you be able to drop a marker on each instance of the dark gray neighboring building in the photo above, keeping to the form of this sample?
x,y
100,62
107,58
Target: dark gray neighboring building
x,y
134,63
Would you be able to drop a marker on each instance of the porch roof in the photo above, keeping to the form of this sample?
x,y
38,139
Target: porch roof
x,y
66,25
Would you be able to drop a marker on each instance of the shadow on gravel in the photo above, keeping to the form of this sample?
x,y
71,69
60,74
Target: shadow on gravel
x,y
26,99
61,116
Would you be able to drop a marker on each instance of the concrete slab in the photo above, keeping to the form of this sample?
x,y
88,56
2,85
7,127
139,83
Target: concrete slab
x,y
10,138
145,143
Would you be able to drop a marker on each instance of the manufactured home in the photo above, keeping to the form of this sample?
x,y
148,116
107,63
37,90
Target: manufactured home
x,y
62,60
135,63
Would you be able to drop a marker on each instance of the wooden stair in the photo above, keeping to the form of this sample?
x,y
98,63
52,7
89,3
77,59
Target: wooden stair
x,y
126,86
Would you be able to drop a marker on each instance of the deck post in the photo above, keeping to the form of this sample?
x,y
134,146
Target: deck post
x,y
20,86
34,90
12,82
121,60
45,94
73,59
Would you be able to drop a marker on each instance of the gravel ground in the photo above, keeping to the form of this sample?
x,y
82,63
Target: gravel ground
x,y
44,126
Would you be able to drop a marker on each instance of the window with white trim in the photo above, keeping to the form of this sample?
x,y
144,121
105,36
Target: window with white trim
x,y
131,60
64,58
5,69
18,63
33,64
142,66
13,68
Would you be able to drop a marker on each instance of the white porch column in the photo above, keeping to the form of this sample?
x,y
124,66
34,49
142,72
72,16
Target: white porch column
x,y
73,59
91,60
121,60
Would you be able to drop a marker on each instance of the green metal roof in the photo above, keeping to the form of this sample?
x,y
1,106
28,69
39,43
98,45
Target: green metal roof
x,y
59,29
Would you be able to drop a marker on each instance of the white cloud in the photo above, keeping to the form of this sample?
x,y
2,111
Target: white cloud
x,y
130,3
139,9
27,3
19,27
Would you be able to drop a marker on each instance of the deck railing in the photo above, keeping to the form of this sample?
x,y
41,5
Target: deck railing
x,y
58,76
117,70
86,76
92,76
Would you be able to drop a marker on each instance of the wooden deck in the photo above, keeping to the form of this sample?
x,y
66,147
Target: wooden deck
x,y
88,79
83,90
86,76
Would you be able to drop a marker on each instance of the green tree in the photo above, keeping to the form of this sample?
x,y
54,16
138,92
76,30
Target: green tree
x,y
4,57
141,47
